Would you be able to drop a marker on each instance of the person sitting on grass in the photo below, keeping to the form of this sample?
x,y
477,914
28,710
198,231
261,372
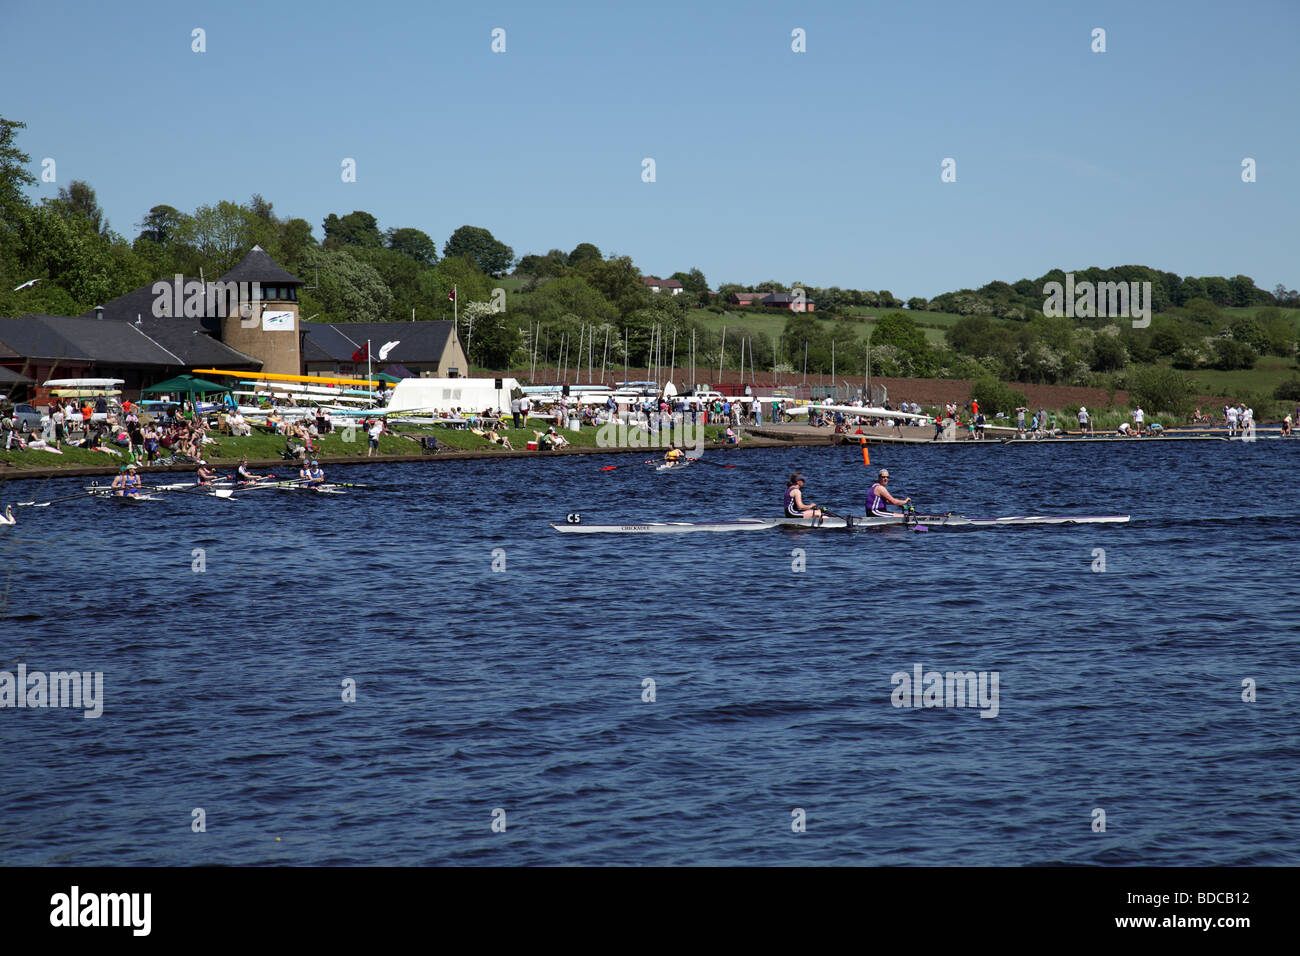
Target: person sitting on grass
x,y
558,440
543,440
497,439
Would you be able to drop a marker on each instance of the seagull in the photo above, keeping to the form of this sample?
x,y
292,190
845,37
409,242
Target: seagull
x,y
27,284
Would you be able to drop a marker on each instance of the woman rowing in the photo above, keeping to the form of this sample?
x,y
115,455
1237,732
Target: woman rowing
x,y
245,476
880,498
673,455
131,483
794,503
206,475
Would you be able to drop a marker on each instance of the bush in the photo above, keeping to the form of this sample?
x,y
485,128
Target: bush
x,y
1230,354
995,397
1288,391
1159,389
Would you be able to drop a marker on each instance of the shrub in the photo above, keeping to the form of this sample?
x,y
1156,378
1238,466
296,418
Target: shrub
x,y
1230,354
1288,391
995,397
1160,389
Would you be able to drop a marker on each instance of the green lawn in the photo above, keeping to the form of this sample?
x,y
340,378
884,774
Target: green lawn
x,y
338,444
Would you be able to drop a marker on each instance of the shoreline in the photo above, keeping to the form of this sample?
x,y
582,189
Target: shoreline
x,y
804,437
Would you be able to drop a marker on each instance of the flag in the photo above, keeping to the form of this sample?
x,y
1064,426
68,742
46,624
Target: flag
x,y
388,347
451,296
361,354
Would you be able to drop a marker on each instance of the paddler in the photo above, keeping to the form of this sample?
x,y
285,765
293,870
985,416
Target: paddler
x,y
674,454
206,475
795,507
131,483
116,487
880,498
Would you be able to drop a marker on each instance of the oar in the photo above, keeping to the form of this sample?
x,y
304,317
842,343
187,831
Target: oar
x,y
648,461
46,504
715,464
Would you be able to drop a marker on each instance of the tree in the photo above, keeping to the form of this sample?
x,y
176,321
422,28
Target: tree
x,y
917,304
222,234
492,257
899,331
995,397
162,225
13,171
414,244
495,337
78,200
1230,354
357,228
692,281
1160,389
619,281
582,252
348,291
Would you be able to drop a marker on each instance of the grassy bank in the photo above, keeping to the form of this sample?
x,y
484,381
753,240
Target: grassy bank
x,y
404,441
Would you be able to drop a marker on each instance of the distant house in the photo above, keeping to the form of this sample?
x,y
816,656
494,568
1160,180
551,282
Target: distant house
x,y
748,298
429,349
655,284
784,300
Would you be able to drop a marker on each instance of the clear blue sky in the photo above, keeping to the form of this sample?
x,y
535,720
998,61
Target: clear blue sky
x,y
821,167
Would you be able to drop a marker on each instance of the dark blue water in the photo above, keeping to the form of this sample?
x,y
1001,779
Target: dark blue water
x,y
522,690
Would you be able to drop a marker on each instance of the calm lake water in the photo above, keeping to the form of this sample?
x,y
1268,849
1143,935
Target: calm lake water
x,y
1119,690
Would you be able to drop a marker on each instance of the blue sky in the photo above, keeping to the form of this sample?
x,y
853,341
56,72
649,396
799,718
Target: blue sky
x,y
821,167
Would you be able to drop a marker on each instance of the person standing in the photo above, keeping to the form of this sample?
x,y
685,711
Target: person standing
x,y
514,412
56,415
376,429
525,406
1083,420
1139,417
1230,413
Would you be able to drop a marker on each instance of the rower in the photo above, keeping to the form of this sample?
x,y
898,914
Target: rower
x,y
115,488
880,497
244,475
674,454
312,474
131,483
794,503
206,475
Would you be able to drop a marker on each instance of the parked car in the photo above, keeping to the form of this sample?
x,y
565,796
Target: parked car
x,y
29,418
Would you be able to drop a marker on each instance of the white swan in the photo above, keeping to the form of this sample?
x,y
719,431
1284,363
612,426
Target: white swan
x,y
8,516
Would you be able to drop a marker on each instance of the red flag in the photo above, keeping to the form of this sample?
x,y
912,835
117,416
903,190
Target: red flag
x,y
361,354
451,296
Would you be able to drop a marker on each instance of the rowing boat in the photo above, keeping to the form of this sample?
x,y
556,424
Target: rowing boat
x,y
849,522
674,465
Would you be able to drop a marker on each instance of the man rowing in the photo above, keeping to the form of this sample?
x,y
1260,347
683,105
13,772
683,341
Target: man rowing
x,y
795,507
206,475
879,499
312,474
673,455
